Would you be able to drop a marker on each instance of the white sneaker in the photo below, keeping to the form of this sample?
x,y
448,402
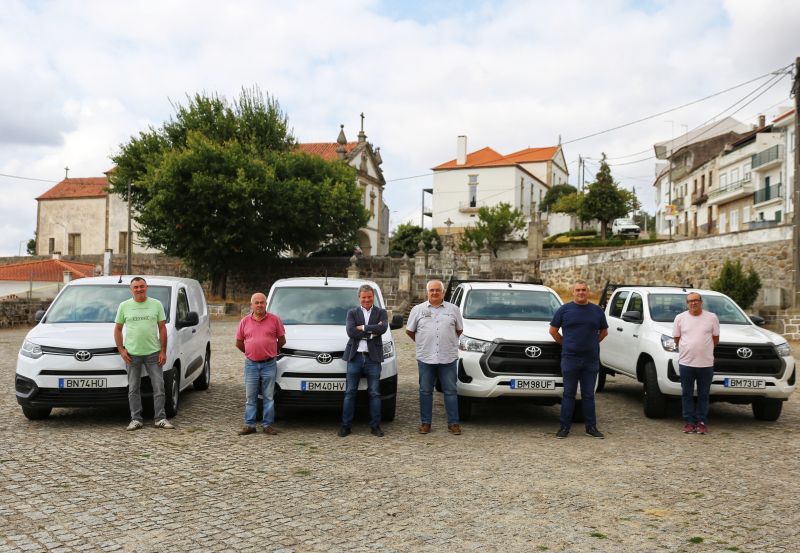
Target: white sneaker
x,y
134,425
163,423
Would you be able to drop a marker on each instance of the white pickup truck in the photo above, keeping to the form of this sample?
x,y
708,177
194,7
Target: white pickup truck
x,y
751,365
625,227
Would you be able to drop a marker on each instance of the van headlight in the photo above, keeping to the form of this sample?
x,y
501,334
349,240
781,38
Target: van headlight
x,y
784,349
388,350
465,343
29,349
668,343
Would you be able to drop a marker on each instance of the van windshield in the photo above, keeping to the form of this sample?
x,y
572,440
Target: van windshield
x,y
665,307
512,305
313,305
98,303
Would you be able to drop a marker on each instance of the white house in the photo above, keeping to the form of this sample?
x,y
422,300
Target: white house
x,y
485,178
79,216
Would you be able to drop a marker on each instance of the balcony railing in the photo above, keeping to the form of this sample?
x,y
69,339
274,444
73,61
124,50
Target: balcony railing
x,y
730,187
699,197
774,153
678,203
753,225
768,193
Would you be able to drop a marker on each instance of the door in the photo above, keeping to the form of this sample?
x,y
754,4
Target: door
x,y
612,346
629,336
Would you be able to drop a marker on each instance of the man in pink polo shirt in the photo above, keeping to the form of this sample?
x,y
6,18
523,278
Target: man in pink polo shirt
x,y
260,336
696,332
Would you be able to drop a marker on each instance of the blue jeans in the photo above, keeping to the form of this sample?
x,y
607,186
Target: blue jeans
x,y
259,378
362,365
139,364
574,370
446,372
703,376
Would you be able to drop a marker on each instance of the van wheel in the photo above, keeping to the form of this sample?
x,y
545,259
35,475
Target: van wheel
x,y
464,408
172,390
655,403
36,413
577,413
202,381
767,409
388,408
601,379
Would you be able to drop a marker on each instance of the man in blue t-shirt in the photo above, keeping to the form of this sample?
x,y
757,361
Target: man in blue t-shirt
x,y
583,326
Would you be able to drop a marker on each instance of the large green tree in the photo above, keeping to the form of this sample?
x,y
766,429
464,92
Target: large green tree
x,y
495,224
604,200
555,193
220,186
406,237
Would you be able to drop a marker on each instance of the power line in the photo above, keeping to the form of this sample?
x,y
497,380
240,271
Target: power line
x,y
26,178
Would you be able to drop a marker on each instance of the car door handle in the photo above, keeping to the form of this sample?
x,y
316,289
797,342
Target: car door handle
x,y
619,329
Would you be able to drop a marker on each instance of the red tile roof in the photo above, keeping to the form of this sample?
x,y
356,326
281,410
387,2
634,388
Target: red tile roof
x,y
325,150
487,157
47,270
783,115
90,187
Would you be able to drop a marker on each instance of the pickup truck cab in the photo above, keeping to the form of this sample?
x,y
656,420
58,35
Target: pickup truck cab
x,y
506,349
70,359
311,371
751,365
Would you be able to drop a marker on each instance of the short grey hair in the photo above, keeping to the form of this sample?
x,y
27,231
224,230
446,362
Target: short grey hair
x,y
580,281
366,288
428,285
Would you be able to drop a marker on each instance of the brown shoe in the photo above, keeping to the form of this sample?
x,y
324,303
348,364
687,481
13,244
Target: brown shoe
x,y
424,428
247,430
270,430
454,429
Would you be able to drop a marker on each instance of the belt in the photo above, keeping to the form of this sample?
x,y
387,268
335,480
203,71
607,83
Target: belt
x,y
363,353
267,360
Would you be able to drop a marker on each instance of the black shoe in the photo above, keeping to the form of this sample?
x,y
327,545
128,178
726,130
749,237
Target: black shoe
x,y
594,433
562,433
376,431
343,431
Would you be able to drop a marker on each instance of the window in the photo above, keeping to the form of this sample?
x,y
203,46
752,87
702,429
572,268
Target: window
x,y
617,303
778,216
746,214
123,243
722,223
734,220
723,180
636,303
747,171
74,244
51,245
521,192
181,306
473,190
734,175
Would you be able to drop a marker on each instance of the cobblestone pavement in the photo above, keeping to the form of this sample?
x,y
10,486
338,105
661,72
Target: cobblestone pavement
x,y
79,482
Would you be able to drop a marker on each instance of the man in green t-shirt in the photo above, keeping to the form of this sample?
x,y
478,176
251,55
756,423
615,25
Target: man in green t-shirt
x,y
145,348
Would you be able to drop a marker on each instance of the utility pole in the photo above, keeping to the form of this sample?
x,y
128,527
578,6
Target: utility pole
x,y
796,190
130,240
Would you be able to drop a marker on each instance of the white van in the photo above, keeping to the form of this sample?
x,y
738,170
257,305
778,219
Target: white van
x,y
311,371
70,359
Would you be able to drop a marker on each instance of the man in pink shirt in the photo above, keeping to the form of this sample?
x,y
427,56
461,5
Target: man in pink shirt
x,y
260,336
696,332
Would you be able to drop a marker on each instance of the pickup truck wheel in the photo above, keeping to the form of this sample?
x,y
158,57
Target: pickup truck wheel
x,y
464,408
172,390
36,413
577,414
601,379
388,409
767,409
655,403
202,381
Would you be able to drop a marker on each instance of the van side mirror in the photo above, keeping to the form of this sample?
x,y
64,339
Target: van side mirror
x,y
39,316
758,321
397,322
191,320
633,317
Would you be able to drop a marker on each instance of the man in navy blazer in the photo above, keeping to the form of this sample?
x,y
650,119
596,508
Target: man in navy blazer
x,y
364,354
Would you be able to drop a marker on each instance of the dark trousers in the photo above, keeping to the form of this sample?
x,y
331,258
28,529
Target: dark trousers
x,y
581,370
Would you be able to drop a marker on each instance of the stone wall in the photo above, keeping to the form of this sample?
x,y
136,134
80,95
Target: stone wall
x,y
19,312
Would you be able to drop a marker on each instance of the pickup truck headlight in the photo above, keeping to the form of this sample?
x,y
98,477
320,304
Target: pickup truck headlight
x,y
465,343
388,350
29,349
668,343
784,349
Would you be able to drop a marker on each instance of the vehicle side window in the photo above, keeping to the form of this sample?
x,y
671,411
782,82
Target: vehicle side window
x,y
182,307
617,303
457,296
635,303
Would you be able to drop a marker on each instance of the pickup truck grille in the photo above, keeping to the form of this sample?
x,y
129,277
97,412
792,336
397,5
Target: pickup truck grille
x,y
510,358
764,360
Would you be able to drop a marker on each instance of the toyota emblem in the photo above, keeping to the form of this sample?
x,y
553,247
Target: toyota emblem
x,y
83,355
533,351
324,358
744,353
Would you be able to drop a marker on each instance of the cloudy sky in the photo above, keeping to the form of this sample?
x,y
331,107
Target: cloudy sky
x,y
79,78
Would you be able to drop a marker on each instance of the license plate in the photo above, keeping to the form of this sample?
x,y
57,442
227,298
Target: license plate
x,y
322,385
69,383
527,384
744,383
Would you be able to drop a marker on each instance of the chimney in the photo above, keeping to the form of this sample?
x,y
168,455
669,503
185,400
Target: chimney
x,y
461,150
56,255
67,276
107,261
762,121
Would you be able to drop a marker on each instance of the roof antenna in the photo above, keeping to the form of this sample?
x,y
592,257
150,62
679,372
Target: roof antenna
x,y
326,276
509,285
120,279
